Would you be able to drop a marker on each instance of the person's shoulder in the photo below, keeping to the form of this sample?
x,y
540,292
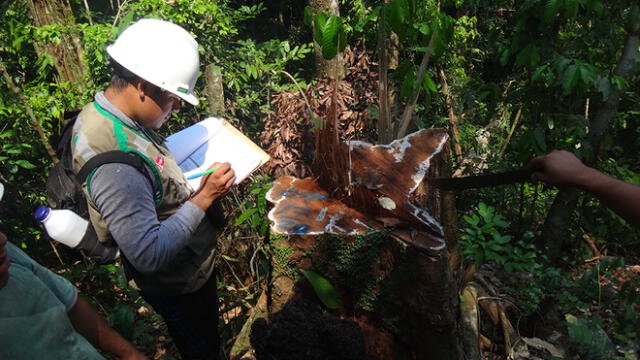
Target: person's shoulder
x,y
17,256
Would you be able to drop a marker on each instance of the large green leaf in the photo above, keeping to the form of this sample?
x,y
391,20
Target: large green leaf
x,y
321,19
603,85
323,288
245,215
329,42
550,12
308,14
342,39
591,341
25,164
409,85
587,75
428,84
569,79
122,319
529,56
396,15
570,8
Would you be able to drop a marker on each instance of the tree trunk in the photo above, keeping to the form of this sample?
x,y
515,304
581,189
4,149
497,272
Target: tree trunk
x,y
404,301
214,90
334,68
67,55
432,301
555,228
451,103
384,127
407,114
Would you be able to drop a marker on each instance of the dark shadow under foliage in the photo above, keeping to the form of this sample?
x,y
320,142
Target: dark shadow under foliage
x,y
304,330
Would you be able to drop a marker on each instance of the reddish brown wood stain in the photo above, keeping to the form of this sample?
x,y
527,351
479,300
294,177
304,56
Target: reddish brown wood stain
x,y
381,181
302,207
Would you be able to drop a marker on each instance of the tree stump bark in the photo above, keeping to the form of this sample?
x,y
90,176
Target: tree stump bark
x,y
404,301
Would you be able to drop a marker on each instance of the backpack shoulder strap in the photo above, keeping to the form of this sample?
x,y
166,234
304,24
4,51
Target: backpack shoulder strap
x,y
114,156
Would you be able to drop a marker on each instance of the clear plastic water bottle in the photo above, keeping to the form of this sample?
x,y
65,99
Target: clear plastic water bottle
x,y
62,225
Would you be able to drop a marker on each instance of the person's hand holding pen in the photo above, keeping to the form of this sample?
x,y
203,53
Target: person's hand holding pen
x,y
213,185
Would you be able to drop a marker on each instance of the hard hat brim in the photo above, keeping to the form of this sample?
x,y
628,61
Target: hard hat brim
x,y
190,98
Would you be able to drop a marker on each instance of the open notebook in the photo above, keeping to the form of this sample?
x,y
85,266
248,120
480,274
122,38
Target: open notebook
x,y
214,140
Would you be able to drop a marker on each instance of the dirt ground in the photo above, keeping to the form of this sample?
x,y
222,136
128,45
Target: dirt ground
x,y
304,330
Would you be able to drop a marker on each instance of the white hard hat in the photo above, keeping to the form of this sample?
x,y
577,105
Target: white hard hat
x,y
161,53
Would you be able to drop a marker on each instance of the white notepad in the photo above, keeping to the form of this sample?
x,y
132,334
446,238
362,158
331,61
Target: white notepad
x,y
215,140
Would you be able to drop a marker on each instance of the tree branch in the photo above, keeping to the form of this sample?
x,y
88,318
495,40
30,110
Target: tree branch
x,y
408,110
34,120
385,131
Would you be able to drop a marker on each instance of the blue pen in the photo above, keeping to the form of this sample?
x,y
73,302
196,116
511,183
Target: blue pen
x,y
194,176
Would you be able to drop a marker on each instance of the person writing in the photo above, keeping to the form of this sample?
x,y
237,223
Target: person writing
x,y
42,316
562,169
162,228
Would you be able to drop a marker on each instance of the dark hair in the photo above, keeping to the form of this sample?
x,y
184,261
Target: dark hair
x,y
120,77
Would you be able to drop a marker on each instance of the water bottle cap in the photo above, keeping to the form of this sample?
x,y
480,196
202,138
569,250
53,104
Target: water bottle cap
x,y
42,213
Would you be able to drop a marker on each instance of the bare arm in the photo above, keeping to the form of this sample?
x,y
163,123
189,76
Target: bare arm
x,y
213,186
94,328
563,169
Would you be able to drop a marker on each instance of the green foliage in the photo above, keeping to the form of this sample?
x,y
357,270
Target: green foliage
x,y
627,321
323,288
328,32
256,206
482,241
547,282
281,255
352,260
258,70
589,285
122,319
592,342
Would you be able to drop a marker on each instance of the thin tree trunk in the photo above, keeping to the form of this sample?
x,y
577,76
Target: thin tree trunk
x,y
554,232
67,54
335,67
600,122
384,126
504,145
34,120
408,110
470,322
214,90
452,118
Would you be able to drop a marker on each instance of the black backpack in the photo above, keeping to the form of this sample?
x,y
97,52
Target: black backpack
x,y
64,191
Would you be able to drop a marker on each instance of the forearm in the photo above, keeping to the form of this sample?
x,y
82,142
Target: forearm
x,y
124,198
621,197
95,329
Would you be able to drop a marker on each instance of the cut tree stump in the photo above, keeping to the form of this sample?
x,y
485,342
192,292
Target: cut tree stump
x,y
400,297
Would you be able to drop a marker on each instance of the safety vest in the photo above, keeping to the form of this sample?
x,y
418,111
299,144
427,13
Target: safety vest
x,y
97,131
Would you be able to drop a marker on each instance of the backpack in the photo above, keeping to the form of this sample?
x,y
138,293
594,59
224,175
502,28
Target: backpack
x,y
64,191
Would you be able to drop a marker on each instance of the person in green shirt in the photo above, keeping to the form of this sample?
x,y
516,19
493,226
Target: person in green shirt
x,y
42,316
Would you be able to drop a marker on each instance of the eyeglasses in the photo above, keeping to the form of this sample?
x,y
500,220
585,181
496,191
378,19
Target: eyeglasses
x,y
165,94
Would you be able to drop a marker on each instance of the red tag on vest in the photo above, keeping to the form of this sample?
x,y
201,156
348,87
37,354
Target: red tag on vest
x,y
160,162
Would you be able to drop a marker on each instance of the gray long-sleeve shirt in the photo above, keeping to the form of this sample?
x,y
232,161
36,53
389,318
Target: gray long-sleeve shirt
x,y
125,200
